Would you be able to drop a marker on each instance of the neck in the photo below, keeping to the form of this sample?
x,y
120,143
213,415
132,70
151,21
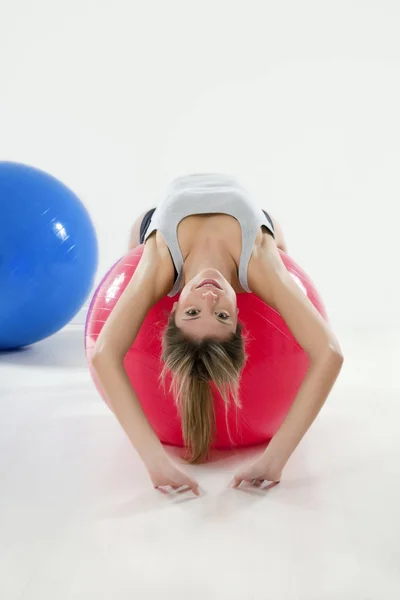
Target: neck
x,y
209,254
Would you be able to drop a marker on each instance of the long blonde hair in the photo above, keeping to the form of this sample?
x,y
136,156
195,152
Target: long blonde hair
x,y
194,365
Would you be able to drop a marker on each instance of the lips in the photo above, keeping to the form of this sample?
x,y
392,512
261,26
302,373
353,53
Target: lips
x,y
209,282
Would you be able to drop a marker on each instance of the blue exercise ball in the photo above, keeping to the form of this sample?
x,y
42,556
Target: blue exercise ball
x,y
48,255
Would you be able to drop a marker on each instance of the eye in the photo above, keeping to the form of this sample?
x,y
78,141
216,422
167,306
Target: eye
x,y
223,316
192,312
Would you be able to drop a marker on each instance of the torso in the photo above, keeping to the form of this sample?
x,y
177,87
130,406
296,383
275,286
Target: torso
x,y
219,226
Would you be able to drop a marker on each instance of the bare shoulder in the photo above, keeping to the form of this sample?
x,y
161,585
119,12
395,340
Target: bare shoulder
x,y
151,281
156,264
264,266
270,280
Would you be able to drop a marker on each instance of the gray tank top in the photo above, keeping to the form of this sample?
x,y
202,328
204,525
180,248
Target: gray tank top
x,y
202,193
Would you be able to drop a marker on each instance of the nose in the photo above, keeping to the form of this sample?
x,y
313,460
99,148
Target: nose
x,y
209,296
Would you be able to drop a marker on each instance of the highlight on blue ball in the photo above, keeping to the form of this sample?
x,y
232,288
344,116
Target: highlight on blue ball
x,y
48,255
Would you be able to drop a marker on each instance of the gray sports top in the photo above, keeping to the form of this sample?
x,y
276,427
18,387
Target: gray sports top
x,y
207,193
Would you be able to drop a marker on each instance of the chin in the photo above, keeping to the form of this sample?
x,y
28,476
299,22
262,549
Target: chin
x,y
210,274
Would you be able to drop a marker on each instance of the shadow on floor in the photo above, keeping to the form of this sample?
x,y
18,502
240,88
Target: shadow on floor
x,y
63,349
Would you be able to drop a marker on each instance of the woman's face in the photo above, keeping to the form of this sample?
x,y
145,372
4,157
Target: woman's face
x,y
207,309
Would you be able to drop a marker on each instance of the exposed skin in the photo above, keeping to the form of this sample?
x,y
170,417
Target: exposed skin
x,y
208,311
268,279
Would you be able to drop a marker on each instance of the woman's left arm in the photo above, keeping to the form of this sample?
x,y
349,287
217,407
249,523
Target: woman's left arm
x,y
270,280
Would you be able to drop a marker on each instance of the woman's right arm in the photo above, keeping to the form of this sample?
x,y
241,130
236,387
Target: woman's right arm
x,y
151,281
279,235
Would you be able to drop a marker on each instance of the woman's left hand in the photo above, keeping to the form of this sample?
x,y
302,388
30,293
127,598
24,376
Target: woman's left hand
x,y
263,469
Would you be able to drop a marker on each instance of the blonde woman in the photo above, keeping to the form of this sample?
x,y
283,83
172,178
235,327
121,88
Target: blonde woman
x,y
209,241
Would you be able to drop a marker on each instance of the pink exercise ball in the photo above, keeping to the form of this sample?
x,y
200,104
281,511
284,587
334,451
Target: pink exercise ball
x,y
273,373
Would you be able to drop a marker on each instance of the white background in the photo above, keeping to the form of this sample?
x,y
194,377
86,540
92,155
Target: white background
x,y
298,100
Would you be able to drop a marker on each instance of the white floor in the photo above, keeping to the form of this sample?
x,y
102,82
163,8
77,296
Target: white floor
x,y
79,519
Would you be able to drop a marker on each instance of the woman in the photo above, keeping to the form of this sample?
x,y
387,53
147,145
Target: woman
x,y
209,241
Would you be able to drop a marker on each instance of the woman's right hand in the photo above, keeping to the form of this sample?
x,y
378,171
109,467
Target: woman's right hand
x,y
163,472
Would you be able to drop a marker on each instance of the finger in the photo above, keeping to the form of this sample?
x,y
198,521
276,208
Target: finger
x,y
237,481
174,485
257,482
165,491
186,488
186,483
194,486
160,489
